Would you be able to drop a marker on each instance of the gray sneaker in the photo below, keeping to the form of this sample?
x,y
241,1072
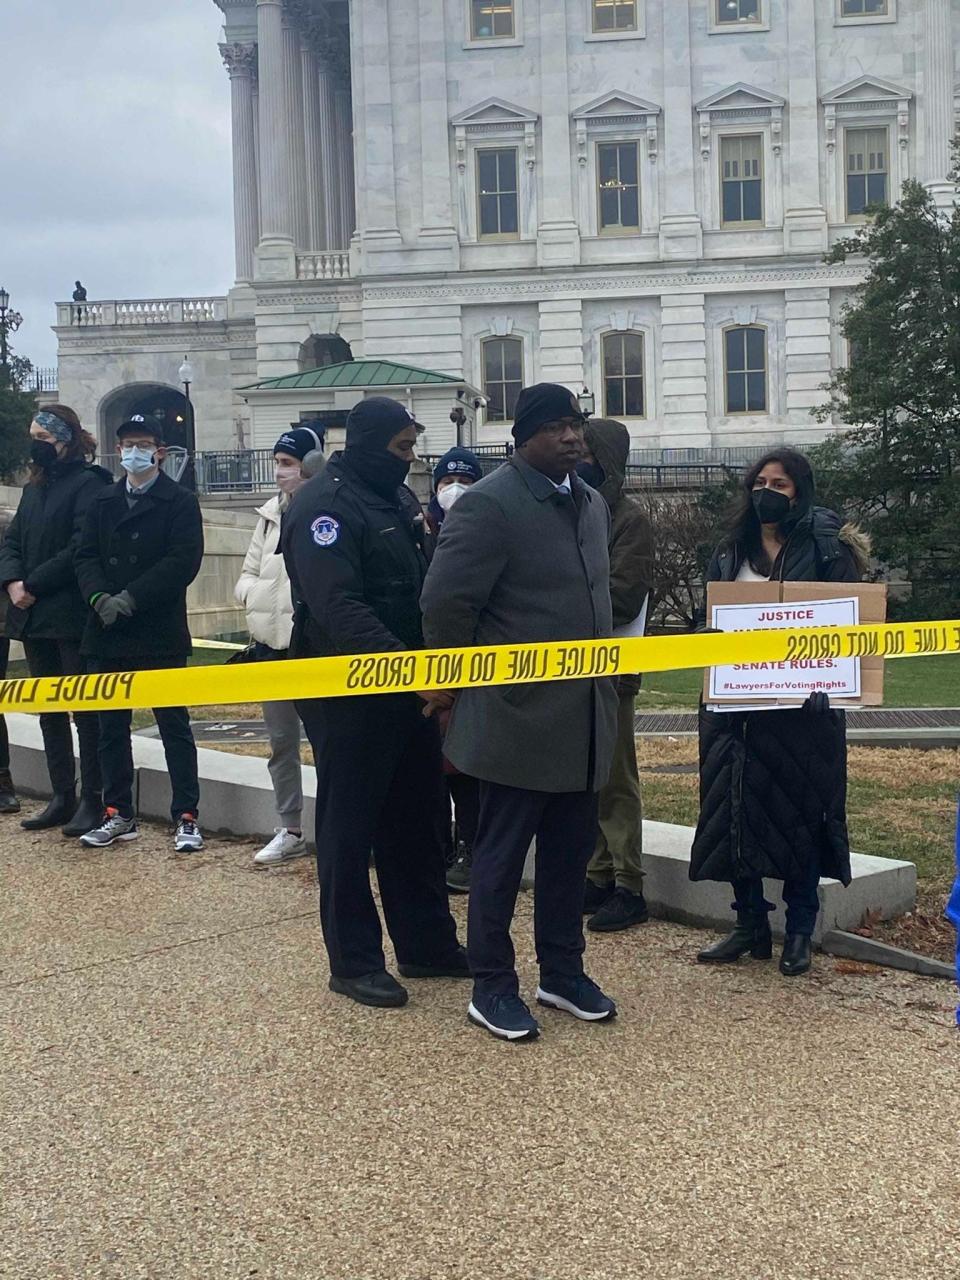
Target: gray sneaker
x,y
112,828
188,838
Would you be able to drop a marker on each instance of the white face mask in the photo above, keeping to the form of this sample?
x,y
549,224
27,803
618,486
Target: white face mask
x,y
448,495
137,460
289,479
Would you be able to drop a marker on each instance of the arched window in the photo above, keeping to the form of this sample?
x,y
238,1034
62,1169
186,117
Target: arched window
x,y
502,376
745,368
322,349
623,390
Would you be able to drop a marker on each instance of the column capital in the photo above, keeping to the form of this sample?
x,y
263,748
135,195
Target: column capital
x,y
239,59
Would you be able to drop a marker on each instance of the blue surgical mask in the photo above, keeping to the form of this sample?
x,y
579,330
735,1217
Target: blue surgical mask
x,y
137,460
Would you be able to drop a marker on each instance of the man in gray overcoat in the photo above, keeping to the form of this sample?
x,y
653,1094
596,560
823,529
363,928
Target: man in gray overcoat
x,y
522,557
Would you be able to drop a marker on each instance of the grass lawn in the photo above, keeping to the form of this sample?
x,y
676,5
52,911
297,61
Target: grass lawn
x,y
908,682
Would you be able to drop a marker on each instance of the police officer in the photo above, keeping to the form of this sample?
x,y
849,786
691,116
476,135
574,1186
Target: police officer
x,y
353,542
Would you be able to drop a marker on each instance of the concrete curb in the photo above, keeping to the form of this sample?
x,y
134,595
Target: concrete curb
x,y
237,799
852,946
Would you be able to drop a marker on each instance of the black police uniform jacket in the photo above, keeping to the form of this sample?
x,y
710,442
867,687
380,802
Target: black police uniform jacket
x,y
153,550
356,563
39,549
773,784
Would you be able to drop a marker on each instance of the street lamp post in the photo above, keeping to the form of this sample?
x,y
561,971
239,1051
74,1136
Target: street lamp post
x,y
10,322
587,402
185,374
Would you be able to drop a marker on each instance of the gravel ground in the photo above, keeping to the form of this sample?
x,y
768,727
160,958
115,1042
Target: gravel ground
x,y
182,1097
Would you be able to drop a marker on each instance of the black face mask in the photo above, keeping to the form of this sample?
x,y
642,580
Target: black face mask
x,y
43,454
771,507
382,471
591,473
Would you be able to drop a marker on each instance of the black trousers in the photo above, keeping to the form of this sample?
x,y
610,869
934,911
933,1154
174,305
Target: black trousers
x,y
565,826
116,748
4,736
378,787
461,793
62,658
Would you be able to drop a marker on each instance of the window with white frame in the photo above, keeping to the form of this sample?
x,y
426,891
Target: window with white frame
x,y
498,196
614,15
502,376
618,186
866,153
864,8
741,180
492,20
745,369
732,12
623,380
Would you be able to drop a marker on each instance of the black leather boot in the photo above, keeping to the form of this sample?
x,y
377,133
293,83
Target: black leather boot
x,y
8,796
62,807
751,934
88,816
797,955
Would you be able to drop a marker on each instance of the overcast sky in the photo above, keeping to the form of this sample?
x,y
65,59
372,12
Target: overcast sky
x,y
114,155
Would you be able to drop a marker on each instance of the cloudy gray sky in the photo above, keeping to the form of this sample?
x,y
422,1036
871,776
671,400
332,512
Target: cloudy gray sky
x,y
114,154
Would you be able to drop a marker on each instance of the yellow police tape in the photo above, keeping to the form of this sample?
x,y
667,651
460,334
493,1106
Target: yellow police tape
x,y
431,669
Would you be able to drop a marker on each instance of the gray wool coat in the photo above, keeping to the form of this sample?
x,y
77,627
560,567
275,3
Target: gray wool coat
x,y
516,563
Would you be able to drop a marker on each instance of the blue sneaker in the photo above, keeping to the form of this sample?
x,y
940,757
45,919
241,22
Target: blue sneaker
x,y
504,1016
579,996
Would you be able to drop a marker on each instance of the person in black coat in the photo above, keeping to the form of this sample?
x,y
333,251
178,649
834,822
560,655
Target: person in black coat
x,y
140,548
47,612
773,784
352,542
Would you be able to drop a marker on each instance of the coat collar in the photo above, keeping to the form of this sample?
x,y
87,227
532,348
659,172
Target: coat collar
x,y
541,486
165,490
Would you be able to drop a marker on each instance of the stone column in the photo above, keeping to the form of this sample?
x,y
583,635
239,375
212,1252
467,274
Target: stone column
x,y
240,61
681,233
372,47
937,102
275,252
293,95
437,232
317,226
805,219
329,155
807,353
558,237
683,346
347,188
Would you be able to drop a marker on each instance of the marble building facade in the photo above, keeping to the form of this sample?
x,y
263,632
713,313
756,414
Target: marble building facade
x,y
633,196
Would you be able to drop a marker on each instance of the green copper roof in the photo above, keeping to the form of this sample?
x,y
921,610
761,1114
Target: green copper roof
x,y
356,373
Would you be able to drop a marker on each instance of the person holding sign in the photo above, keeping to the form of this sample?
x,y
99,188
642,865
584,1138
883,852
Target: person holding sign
x,y
773,783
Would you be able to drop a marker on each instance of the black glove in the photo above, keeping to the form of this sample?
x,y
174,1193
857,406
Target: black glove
x,y
818,704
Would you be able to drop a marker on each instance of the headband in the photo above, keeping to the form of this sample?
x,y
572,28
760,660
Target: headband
x,y
60,430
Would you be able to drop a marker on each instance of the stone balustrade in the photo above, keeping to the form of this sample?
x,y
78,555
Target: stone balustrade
x,y
142,311
323,266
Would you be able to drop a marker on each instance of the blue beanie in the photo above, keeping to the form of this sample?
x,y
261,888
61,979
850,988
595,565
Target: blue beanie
x,y
298,442
457,462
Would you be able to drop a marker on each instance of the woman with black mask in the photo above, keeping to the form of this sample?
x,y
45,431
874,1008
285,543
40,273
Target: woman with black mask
x,y
773,783
47,612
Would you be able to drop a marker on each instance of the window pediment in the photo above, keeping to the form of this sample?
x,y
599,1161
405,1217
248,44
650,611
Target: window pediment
x,y
740,104
615,104
741,97
617,113
866,92
493,113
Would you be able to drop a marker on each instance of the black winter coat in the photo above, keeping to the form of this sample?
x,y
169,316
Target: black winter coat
x,y
39,549
773,784
153,551
356,564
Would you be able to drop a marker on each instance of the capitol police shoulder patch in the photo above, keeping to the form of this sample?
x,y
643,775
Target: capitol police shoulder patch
x,y
325,530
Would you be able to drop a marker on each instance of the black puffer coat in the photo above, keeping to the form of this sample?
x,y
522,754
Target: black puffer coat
x,y
773,784
39,549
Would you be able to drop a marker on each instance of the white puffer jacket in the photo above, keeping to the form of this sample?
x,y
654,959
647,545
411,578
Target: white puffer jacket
x,y
264,588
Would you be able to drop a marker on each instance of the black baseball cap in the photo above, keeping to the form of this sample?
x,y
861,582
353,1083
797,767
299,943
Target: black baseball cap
x,y
141,426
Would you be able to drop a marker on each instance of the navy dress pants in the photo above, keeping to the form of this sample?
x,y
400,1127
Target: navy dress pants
x,y
379,788
565,827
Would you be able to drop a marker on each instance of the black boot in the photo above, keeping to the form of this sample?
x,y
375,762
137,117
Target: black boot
x,y
62,807
8,796
88,816
797,955
751,934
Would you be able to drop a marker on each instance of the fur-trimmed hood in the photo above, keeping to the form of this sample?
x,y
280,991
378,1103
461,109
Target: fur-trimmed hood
x,y
861,548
